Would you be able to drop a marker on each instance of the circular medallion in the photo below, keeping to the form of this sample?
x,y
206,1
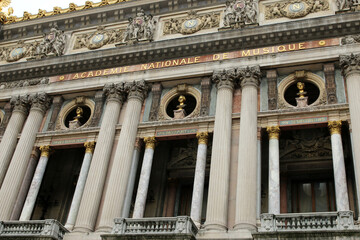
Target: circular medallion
x,y
97,38
296,7
17,52
191,23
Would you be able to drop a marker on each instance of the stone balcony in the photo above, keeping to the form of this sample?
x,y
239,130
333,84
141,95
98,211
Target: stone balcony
x,y
169,228
319,225
32,230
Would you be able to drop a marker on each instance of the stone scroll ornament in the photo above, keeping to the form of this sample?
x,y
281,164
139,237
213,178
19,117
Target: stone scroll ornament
x,y
238,14
99,38
192,23
295,8
139,29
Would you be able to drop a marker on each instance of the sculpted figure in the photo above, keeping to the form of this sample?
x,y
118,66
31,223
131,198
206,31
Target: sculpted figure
x,y
72,7
344,4
26,16
53,43
229,14
149,27
250,11
129,30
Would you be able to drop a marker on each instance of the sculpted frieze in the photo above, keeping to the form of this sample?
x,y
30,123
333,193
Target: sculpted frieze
x,y
24,83
192,23
17,52
238,14
348,5
99,38
351,39
295,8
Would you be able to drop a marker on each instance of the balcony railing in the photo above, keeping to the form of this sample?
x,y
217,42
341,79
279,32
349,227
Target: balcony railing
x,y
153,227
37,229
320,221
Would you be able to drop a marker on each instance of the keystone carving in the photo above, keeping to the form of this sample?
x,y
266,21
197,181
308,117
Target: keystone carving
x,y
40,100
115,91
192,23
140,28
137,89
99,38
240,13
295,8
350,63
224,78
249,76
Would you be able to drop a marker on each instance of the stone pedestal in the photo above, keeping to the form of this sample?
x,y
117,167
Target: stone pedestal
x,y
245,215
341,190
80,185
90,201
301,102
143,186
19,162
274,170
74,124
217,205
179,114
199,178
35,184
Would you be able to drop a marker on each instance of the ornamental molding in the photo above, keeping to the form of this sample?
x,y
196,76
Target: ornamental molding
x,y
24,83
292,79
192,23
295,8
351,39
98,39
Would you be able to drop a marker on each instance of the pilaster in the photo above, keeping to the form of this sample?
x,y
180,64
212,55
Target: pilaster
x,y
271,76
57,103
329,70
155,104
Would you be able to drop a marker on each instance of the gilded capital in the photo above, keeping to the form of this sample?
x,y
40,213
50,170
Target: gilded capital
x,y
89,147
249,76
137,89
40,101
273,131
20,103
202,137
115,91
335,127
150,142
350,63
224,78
45,151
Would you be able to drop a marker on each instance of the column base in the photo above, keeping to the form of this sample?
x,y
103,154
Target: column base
x,y
215,227
245,226
82,229
103,229
230,235
69,227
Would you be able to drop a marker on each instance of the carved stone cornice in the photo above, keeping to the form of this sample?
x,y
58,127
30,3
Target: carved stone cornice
x,y
115,92
45,151
273,131
335,127
150,142
137,90
20,103
90,146
350,64
249,76
202,137
40,101
224,78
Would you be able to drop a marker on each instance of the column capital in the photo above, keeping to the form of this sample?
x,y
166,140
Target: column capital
x,y
249,76
89,147
224,78
335,127
273,131
350,64
115,91
202,137
150,142
20,103
45,150
137,89
40,101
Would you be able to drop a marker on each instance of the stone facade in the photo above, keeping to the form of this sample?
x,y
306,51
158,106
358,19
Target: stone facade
x,y
248,111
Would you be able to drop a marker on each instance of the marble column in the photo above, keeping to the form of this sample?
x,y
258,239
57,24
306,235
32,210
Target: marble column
x,y
274,170
144,180
35,184
120,171
90,201
217,205
80,185
199,178
9,140
25,185
350,65
132,177
19,162
245,213
341,190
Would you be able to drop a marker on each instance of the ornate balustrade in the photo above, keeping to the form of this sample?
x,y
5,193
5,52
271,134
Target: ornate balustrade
x,y
160,228
33,230
320,221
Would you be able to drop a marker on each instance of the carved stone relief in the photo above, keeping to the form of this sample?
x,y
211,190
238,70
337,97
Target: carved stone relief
x,y
17,52
238,14
99,38
192,23
24,83
295,8
351,39
348,5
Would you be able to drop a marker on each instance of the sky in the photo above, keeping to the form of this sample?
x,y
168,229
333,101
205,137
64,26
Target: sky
x,y
32,6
